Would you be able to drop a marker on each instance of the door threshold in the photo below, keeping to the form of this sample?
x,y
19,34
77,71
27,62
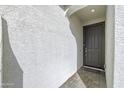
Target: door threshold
x,y
93,68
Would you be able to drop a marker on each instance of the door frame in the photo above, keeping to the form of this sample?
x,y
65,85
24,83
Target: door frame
x,y
94,68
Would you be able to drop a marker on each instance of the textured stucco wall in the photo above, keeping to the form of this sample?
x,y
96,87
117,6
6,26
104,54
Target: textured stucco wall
x,y
119,47
77,31
109,45
39,42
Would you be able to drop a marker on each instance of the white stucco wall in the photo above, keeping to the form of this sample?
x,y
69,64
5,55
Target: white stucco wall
x,y
39,48
119,47
77,31
109,45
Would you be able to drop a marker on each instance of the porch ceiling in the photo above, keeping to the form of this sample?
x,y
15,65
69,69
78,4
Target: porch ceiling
x,y
85,14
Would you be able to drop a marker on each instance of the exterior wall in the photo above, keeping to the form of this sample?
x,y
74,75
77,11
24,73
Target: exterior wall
x,y
109,45
39,49
119,47
0,51
77,31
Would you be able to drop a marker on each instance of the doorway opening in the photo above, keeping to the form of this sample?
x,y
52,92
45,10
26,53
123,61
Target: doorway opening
x,y
94,46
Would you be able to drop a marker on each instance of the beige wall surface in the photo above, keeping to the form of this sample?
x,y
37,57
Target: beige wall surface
x,y
77,31
109,45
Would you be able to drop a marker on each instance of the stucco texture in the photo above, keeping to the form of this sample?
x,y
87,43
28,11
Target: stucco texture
x,y
39,49
119,47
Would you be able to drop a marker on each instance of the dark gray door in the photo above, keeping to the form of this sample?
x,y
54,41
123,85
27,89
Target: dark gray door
x,y
94,45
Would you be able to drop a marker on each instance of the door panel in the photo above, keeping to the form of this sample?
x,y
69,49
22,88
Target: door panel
x,y
94,45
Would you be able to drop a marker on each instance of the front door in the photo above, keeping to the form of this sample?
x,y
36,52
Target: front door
x,y
94,45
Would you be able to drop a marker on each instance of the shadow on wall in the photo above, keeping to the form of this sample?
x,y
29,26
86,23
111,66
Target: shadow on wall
x,y
78,37
77,31
12,74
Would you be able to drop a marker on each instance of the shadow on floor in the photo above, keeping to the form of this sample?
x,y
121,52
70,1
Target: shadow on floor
x,y
74,82
12,74
86,78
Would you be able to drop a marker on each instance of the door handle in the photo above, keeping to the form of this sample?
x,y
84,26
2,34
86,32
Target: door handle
x,y
85,52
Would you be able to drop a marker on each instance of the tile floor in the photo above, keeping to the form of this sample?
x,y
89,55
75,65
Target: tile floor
x,y
86,78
